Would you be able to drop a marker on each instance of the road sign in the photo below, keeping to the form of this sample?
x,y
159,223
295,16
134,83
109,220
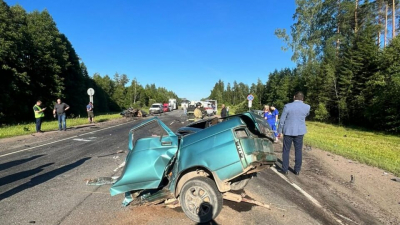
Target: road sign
x,y
90,91
250,97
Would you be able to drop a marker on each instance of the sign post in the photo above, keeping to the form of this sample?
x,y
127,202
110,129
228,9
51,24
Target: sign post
x,y
250,98
90,92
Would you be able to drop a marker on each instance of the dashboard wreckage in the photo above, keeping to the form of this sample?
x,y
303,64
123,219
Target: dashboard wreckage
x,y
196,167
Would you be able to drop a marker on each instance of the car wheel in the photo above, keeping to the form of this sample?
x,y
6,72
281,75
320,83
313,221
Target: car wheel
x,y
200,199
239,185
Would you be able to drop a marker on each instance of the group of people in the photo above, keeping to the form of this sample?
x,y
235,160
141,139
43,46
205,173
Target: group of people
x,y
292,127
59,112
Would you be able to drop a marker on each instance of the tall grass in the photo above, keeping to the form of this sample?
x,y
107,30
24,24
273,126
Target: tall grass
x,y
372,148
28,128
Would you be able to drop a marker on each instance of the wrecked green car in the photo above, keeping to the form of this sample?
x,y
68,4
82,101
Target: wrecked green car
x,y
197,166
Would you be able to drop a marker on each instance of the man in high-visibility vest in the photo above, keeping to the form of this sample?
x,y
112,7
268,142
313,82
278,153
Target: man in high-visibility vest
x,y
39,114
198,115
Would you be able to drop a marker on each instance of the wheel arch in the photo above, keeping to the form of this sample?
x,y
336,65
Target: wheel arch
x,y
199,171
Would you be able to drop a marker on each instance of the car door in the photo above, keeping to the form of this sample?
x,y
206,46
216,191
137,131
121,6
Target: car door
x,y
152,145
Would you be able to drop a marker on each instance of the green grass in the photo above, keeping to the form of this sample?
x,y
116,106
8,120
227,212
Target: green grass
x,y
372,148
28,128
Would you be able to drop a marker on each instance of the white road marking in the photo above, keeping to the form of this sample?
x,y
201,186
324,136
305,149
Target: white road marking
x,y
308,196
80,139
120,166
75,136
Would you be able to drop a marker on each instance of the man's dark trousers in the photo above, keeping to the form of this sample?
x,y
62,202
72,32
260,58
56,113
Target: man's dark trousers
x,y
38,124
298,145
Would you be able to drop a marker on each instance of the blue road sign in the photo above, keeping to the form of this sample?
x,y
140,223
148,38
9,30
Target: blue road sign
x,y
250,97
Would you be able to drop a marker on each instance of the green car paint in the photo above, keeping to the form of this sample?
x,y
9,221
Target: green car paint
x,y
227,149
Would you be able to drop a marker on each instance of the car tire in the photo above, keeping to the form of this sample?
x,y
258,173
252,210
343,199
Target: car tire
x,y
239,185
200,199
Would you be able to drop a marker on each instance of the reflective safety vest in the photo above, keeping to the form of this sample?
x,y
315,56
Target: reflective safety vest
x,y
38,114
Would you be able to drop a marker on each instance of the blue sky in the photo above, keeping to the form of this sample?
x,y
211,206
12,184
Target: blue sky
x,y
185,46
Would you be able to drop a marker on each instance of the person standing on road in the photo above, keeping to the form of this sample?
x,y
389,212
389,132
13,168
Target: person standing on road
x,y
184,109
198,115
275,114
89,109
293,127
39,114
59,110
227,111
270,117
223,111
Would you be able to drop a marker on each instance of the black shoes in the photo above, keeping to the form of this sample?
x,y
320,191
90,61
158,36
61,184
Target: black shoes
x,y
283,172
297,173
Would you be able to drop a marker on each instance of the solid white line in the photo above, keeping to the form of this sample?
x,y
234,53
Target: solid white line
x,y
23,150
308,196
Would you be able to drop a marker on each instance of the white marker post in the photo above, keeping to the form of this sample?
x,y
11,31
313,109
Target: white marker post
x,y
90,92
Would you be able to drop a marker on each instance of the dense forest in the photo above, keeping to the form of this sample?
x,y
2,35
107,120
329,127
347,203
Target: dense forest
x,y
348,64
37,62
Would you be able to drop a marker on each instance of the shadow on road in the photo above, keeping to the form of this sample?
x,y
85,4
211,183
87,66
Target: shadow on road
x,y
17,162
21,175
42,178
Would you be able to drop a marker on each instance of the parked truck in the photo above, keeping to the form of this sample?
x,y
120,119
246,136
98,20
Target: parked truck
x,y
173,104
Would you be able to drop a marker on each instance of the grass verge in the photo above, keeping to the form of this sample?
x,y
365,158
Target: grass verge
x,y
28,128
372,148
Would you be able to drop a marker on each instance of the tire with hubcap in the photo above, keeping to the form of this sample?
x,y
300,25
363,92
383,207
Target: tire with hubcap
x,y
200,199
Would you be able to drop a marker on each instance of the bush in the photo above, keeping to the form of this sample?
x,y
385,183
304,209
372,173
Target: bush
x,y
321,113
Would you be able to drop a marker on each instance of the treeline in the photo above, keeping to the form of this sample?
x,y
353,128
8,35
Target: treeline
x,y
348,63
38,62
118,93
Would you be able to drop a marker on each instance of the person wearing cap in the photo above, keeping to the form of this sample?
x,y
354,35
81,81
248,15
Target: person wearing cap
x,y
39,114
89,109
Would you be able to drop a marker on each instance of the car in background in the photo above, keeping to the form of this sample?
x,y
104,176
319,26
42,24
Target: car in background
x,y
166,107
185,168
156,108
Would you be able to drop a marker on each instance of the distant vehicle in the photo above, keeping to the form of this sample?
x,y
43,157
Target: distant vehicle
x,y
172,103
156,108
214,105
166,107
131,112
185,104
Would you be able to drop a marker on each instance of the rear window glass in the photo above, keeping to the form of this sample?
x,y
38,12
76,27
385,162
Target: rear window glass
x,y
155,106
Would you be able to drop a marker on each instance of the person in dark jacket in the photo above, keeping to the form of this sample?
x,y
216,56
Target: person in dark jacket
x,y
223,111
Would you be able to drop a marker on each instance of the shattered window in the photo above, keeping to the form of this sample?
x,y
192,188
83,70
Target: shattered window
x,y
150,129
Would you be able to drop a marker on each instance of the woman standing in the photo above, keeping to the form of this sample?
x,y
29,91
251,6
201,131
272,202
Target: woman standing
x,y
270,117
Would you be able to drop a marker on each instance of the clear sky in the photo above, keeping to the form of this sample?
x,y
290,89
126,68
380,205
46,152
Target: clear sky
x,y
183,45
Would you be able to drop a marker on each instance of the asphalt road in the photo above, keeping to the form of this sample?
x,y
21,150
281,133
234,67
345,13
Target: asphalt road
x,y
43,182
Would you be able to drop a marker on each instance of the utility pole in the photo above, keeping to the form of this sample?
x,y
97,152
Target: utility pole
x,y
134,100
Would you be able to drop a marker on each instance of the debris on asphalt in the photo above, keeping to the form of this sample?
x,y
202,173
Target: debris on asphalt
x,y
101,181
116,157
384,173
397,179
352,179
120,151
